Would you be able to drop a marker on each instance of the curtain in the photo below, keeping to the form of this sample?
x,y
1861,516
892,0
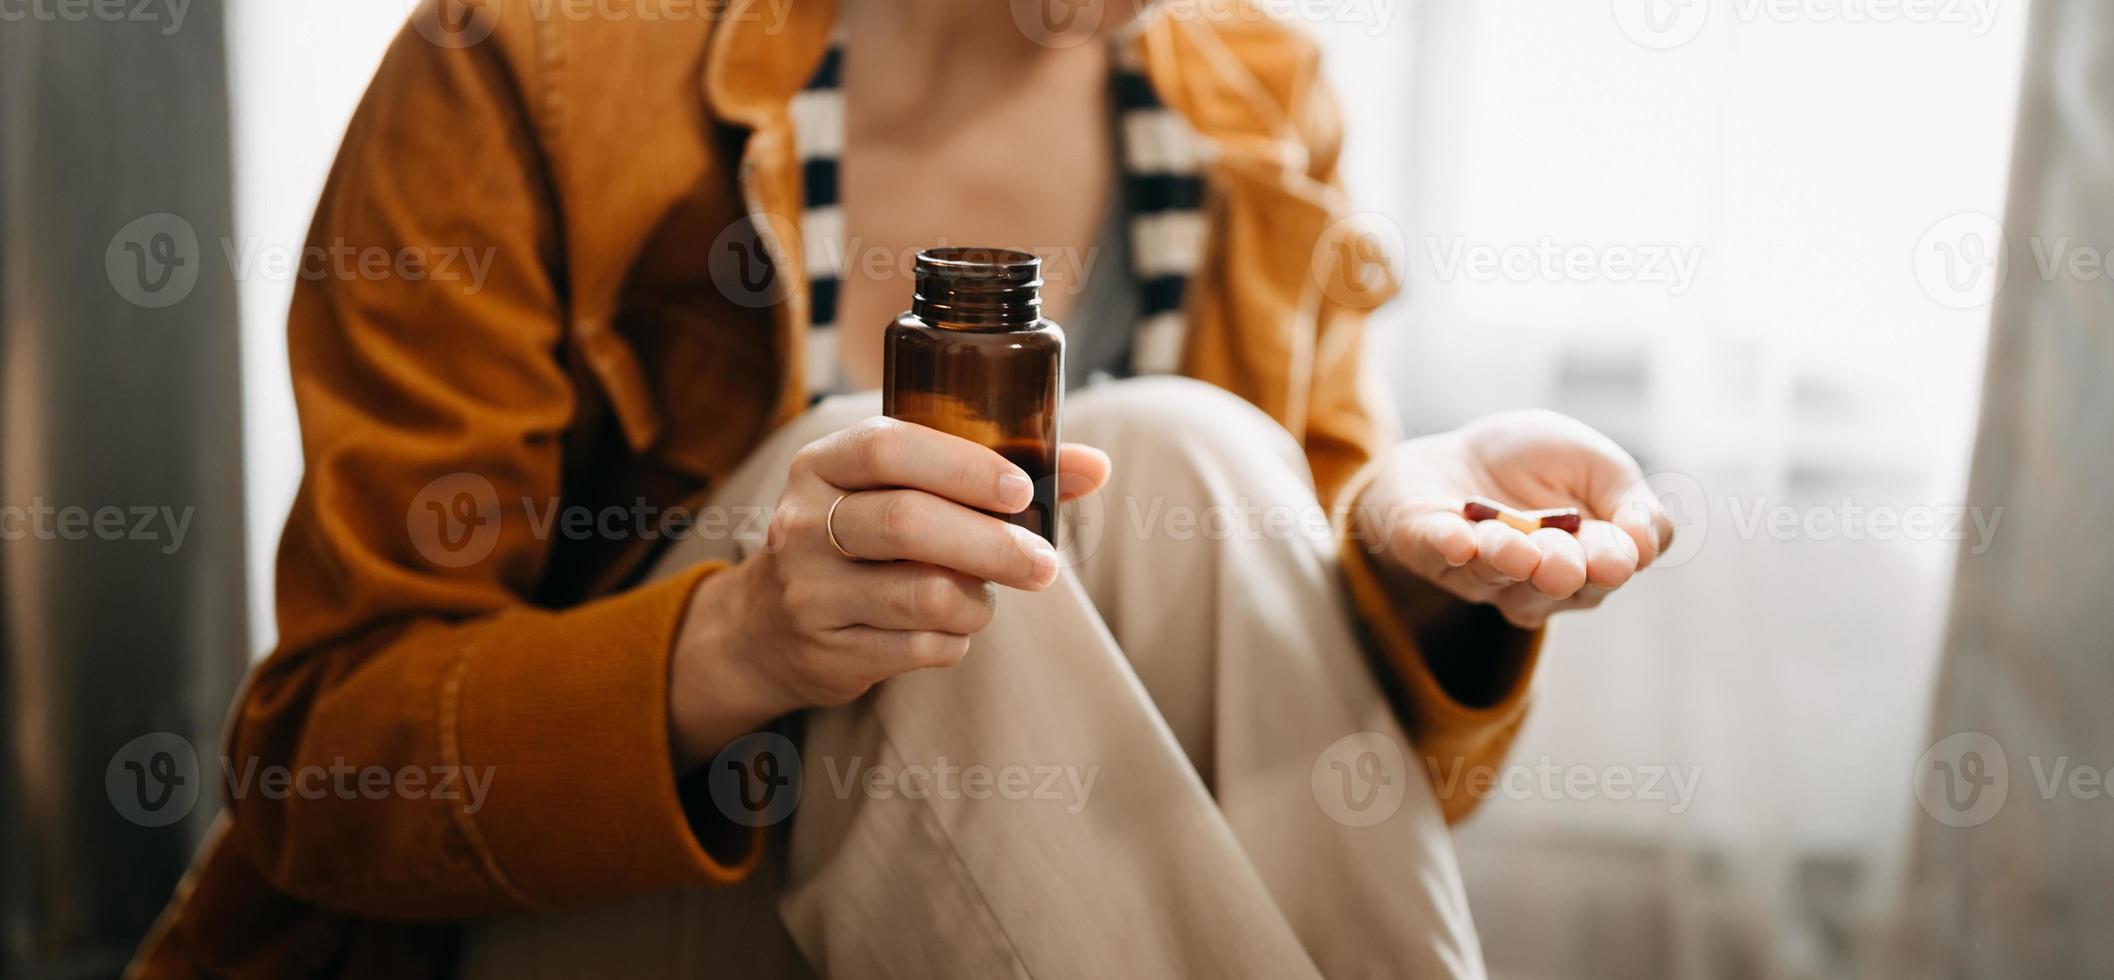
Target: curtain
x,y
121,620
2012,871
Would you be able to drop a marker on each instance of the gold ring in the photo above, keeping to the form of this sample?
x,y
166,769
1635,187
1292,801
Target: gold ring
x,y
829,526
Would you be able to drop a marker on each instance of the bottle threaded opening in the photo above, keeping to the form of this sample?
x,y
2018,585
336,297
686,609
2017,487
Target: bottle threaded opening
x,y
978,287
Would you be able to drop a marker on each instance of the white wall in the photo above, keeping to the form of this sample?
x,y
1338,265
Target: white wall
x,y
297,69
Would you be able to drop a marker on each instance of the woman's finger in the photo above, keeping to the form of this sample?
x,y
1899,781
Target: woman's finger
x,y
1081,470
1635,508
1504,553
894,652
1587,598
907,595
1525,606
1433,542
1617,492
882,452
909,525
1562,570
1610,554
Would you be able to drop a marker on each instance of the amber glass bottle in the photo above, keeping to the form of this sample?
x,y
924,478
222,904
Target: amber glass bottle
x,y
975,358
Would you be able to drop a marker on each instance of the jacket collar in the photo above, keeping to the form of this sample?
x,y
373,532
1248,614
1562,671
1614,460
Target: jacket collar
x,y
761,54
1196,73
766,50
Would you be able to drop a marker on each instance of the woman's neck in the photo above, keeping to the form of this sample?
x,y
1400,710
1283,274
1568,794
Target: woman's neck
x,y
941,51
929,60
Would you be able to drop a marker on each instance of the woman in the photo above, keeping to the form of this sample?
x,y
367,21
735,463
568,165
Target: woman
x,y
1198,698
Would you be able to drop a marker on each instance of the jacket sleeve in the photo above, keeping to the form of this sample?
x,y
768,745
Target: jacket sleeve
x,y
1463,703
425,743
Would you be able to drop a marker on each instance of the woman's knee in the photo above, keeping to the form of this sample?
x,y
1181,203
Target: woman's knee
x,y
1200,476
1192,462
1162,417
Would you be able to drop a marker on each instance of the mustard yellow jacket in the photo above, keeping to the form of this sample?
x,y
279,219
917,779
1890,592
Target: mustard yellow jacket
x,y
595,161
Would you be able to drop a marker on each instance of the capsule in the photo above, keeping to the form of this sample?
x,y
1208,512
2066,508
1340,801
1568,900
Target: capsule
x,y
1565,519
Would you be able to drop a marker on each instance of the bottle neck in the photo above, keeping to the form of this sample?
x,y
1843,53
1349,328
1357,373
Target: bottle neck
x,y
978,289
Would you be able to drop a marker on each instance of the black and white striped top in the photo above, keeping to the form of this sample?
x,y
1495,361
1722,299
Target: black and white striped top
x,y
1162,162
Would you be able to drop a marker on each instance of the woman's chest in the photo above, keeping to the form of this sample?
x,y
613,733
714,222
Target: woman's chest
x,y
1037,181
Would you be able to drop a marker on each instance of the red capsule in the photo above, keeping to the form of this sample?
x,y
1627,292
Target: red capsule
x,y
1565,519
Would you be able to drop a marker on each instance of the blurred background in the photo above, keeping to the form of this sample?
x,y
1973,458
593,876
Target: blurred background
x,y
1796,363
1712,230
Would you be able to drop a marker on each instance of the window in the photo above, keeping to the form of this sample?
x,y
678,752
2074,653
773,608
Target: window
x,y
1705,241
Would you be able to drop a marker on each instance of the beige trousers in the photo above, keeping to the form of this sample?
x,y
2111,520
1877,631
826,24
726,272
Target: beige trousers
x,y
1173,762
